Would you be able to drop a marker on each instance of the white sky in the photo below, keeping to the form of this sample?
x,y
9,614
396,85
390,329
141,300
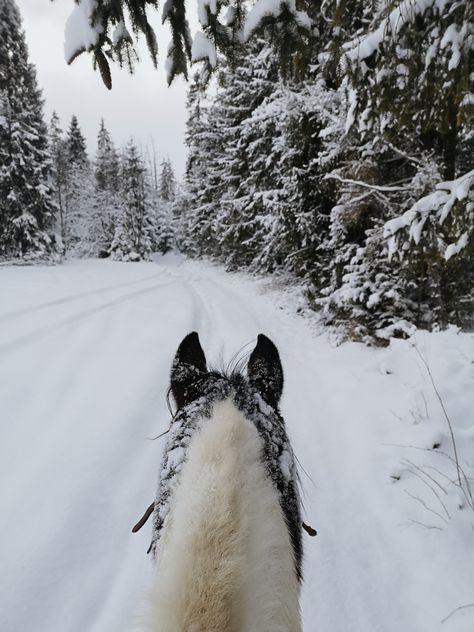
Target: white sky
x,y
140,105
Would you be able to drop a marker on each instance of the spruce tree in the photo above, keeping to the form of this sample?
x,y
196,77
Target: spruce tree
x,y
133,236
166,195
106,201
167,181
78,191
60,169
27,207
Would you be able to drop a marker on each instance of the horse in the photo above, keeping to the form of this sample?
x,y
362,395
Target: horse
x,y
227,527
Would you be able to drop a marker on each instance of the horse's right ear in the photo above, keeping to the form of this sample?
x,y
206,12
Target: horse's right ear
x,y
265,372
188,368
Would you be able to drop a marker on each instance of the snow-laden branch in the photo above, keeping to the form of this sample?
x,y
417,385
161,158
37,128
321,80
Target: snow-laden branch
x,y
435,206
273,8
364,185
406,12
203,50
81,34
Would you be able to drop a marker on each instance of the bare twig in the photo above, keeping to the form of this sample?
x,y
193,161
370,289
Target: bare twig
x,y
467,605
418,475
448,421
423,504
425,526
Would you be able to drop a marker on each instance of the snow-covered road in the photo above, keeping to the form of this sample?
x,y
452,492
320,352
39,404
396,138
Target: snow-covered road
x,y
85,352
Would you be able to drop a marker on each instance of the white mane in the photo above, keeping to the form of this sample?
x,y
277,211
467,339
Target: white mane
x,y
224,561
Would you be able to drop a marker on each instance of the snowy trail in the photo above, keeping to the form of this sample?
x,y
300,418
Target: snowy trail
x,y
85,352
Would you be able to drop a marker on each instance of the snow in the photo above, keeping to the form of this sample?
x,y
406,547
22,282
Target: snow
x,y
454,249
273,8
79,34
352,102
406,11
85,353
203,7
120,33
203,48
439,204
455,38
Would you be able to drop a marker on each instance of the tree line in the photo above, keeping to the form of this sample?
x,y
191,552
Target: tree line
x,y
344,162
354,173
55,200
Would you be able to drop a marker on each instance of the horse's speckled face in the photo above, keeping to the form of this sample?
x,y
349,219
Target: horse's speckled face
x,y
196,391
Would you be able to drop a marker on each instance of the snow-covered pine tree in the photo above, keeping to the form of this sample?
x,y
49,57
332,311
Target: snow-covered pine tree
x,y
60,167
133,238
200,193
221,220
166,195
78,192
407,79
167,181
249,194
27,206
197,142
106,201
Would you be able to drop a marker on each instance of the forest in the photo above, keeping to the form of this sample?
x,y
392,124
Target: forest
x,y
333,148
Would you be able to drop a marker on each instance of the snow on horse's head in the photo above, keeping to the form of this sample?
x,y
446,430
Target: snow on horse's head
x,y
227,523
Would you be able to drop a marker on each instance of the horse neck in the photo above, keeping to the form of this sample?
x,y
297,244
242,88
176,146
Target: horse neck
x,y
225,560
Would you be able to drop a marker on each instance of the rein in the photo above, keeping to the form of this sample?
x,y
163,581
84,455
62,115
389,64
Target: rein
x,y
309,530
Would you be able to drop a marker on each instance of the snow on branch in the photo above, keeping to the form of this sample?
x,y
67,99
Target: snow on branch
x,y
273,8
203,50
404,13
364,185
81,34
436,207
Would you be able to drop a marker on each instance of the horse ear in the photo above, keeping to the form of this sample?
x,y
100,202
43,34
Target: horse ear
x,y
265,372
188,368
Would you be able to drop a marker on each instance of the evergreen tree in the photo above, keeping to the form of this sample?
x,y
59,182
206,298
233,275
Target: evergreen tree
x,y
78,191
106,205
164,201
60,169
27,205
406,128
167,183
133,237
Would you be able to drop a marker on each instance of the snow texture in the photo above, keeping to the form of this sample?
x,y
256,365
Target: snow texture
x,y
438,204
273,8
120,33
80,35
85,353
405,12
203,48
203,7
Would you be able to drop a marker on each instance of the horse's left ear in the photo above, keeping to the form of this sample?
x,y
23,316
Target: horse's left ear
x,y
265,372
187,370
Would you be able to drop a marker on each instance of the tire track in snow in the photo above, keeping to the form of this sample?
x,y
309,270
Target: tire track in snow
x,y
74,297
42,332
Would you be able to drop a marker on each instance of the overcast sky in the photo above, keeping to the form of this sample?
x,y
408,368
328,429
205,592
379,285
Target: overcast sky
x,y
141,105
